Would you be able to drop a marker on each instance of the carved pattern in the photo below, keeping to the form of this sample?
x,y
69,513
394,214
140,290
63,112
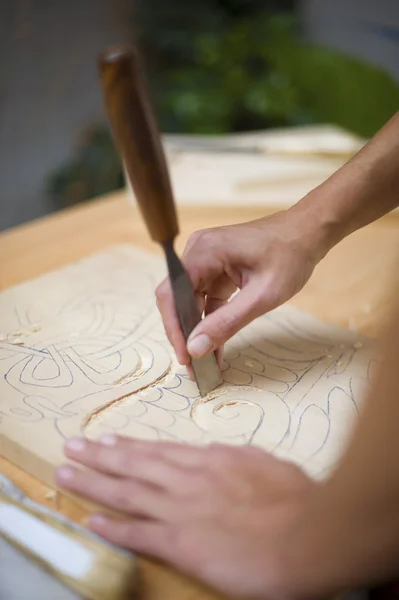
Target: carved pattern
x,y
85,352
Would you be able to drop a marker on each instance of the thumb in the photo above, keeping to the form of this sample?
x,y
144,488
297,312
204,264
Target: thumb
x,y
219,326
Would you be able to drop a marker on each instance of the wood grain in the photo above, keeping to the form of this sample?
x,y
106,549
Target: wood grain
x,y
352,285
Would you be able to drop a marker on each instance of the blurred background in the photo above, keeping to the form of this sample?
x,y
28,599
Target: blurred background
x,y
215,67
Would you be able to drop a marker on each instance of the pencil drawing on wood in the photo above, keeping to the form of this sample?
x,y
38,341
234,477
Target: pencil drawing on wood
x,y
83,351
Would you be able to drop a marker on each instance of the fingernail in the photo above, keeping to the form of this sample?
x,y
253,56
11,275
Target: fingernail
x,y
66,473
76,444
108,439
199,345
97,520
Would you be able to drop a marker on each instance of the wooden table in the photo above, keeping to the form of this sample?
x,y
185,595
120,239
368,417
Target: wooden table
x,y
351,287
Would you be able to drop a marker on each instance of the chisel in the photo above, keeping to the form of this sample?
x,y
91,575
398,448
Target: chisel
x,y
138,140
82,561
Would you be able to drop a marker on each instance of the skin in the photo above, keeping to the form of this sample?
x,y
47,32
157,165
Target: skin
x,y
239,519
271,259
205,512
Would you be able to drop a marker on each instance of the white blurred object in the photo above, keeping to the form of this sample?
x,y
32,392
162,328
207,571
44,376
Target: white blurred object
x,y
273,168
325,140
22,579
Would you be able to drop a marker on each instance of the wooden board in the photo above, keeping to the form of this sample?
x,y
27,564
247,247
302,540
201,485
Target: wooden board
x,y
83,352
324,140
266,168
238,178
352,284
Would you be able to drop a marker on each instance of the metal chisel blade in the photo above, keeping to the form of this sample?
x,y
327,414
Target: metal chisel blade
x,y
206,369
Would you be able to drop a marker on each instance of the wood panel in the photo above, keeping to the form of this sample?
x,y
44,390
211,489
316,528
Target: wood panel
x,y
350,287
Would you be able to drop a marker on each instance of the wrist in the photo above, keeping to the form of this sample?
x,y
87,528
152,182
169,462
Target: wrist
x,y
320,222
349,199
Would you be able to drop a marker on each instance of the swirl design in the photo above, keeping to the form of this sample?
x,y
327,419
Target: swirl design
x,y
88,354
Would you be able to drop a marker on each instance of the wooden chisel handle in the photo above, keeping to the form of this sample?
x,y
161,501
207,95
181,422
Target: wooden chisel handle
x,y
83,561
138,139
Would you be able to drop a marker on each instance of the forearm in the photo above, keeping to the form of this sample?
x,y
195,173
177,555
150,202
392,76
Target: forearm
x,y
363,190
351,535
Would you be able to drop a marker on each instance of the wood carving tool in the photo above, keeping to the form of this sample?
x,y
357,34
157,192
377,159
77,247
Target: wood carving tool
x,y
138,139
81,560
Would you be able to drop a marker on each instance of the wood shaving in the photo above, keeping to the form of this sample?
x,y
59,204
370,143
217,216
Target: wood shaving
x,y
53,496
50,495
353,325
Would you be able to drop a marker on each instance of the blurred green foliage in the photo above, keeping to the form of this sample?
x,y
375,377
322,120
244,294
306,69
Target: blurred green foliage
x,y
226,66
94,170
260,74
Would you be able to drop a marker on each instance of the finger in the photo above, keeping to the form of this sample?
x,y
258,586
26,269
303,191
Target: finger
x,y
201,306
204,265
124,460
200,297
124,495
167,308
211,305
221,288
190,372
193,239
220,325
149,538
219,356
183,455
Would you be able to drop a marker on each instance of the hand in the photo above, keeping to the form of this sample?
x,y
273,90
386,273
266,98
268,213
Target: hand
x,y
225,515
270,260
